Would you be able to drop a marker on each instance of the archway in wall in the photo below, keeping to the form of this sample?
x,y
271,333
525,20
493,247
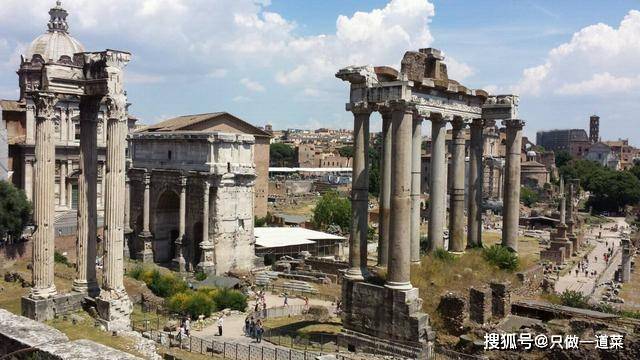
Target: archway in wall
x,y
166,223
197,239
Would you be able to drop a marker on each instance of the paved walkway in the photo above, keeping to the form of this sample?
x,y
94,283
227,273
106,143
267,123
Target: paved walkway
x,y
587,284
232,329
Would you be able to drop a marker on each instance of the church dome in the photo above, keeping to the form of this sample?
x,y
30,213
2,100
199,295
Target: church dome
x,y
56,43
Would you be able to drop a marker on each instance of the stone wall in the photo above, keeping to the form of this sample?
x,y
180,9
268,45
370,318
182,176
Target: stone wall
x,y
480,305
327,266
554,256
19,333
500,299
376,318
530,280
453,311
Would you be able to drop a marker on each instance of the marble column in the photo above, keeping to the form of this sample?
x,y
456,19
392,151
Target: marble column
x,y
437,183
27,183
69,198
145,238
206,264
113,304
114,195
62,193
359,193
399,268
511,189
457,241
86,241
179,263
476,179
385,189
44,198
416,158
127,220
103,183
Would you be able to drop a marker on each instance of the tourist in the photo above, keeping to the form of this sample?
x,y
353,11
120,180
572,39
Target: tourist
x,y
252,328
257,307
286,299
187,325
264,307
306,302
576,272
259,330
181,335
220,322
246,326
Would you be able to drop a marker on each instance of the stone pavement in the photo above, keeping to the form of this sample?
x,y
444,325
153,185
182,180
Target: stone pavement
x,y
587,284
232,329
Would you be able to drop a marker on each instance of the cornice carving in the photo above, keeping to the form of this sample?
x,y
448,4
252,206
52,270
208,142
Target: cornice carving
x,y
116,107
45,102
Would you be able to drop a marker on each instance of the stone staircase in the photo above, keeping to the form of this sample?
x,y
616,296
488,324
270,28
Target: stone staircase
x,y
266,277
299,286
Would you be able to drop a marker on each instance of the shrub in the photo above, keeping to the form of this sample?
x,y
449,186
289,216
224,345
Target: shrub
x,y
318,313
191,303
502,257
230,299
443,255
60,259
574,299
165,285
136,272
200,276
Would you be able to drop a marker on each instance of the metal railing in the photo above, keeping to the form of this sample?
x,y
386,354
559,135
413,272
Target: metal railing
x,y
290,291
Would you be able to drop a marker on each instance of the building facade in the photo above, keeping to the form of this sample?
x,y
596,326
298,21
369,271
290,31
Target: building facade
x,y
192,200
574,141
228,123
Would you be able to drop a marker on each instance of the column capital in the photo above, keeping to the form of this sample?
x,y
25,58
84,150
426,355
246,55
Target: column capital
x,y
360,108
401,105
514,123
183,182
458,123
146,178
44,101
116,107
477,123
206,183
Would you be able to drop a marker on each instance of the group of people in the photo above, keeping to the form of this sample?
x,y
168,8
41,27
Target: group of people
x,y
261,302
583,268
185,327
253,328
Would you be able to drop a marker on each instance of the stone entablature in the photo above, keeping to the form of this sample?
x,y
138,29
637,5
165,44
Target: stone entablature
x,y
216,174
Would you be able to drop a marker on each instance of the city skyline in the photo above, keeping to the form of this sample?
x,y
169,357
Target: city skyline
x,y
274,61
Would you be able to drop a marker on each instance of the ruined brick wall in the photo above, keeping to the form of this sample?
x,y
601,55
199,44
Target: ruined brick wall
x,y
530,280
453,311
480,305
500,299
327,266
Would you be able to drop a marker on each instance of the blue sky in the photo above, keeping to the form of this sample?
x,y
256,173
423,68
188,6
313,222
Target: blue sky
x,y
273,61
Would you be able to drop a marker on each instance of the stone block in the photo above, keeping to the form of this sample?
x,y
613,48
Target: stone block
x,y
500,299
565,244
37,309
453,311
553,256
480,305
114,313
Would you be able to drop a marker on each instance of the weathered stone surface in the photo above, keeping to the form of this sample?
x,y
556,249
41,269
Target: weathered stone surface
x,y
46,309
480,305
501,299
453,311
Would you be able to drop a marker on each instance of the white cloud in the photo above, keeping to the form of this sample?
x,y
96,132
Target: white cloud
x,y
599,59
142,78
241,99
252,85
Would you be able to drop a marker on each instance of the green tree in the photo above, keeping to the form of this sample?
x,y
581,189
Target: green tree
x,y
563,158
528,196
281,154
332,209
15,210
346,151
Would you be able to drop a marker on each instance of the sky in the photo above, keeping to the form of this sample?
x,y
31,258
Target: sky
x,y
273,61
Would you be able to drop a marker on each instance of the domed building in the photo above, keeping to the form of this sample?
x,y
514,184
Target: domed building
x,y
56,46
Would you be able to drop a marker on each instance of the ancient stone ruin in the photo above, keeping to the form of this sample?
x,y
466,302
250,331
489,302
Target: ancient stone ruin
x,y
96,78
388,318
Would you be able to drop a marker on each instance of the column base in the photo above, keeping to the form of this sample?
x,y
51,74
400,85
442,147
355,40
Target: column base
x,y
114,310
44,293
89,288
179,264
47,309
145,243
398,285
354,274
207,268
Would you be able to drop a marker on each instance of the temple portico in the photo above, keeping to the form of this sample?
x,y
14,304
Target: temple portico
x,y
377,316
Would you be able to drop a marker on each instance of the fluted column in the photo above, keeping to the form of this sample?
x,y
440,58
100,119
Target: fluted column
x,y
127,221
179,262
437,183
511,190
114,195
69,199
416,170
206,264
457,241
44,198
399,268
62,193
625,267
476,179
570,220
103,183
86,242
359,192
385,189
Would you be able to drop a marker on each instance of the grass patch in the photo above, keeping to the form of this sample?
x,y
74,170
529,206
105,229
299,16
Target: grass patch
x,y
61,259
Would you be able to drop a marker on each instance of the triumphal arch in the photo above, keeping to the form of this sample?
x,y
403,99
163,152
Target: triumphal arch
x,y
388,319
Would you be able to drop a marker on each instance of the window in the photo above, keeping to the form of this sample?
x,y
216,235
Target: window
x,y
76,127
169,155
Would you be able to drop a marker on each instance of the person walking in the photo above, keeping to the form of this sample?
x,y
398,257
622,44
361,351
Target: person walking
x,y
187,325
286,299
246,326
252,328
220,322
